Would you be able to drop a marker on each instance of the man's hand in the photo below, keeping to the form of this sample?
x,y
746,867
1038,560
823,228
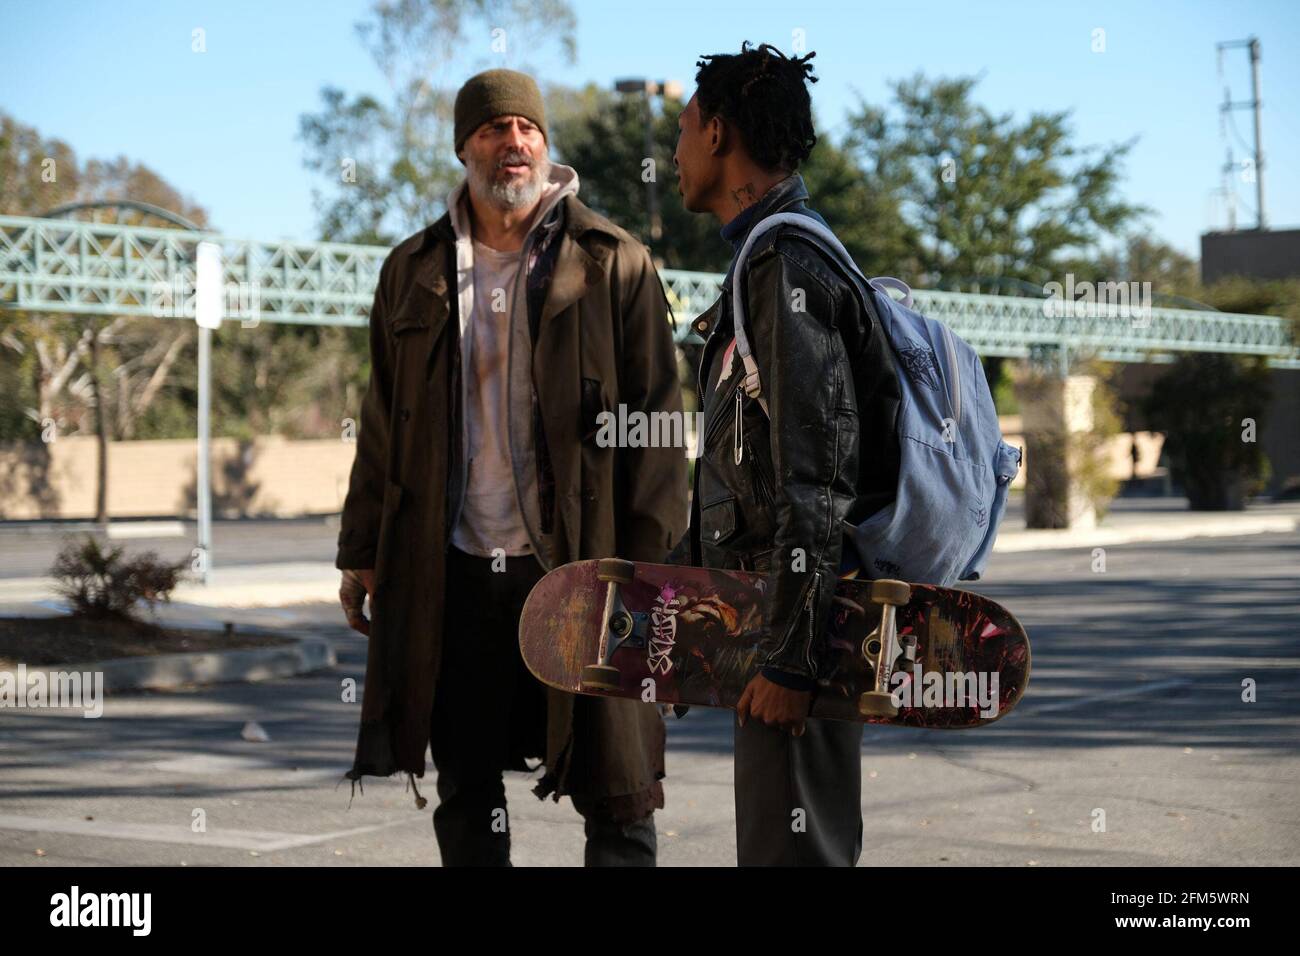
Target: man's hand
x,y
775,705
356,587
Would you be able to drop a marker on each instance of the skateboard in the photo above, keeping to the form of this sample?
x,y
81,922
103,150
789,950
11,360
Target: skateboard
x,y
914,655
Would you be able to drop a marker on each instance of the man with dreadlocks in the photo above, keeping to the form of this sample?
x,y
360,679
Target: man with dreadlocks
x,y
775,485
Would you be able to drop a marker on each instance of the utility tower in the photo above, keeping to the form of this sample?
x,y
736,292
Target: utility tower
x,y
1255,165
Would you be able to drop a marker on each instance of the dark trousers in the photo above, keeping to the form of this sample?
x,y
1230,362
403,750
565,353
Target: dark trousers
x,y
799,799
490,713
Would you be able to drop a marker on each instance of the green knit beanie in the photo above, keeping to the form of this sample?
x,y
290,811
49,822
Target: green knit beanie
x,y
497,93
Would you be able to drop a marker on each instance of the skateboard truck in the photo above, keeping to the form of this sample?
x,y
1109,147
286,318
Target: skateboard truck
x,y
880,648
619,626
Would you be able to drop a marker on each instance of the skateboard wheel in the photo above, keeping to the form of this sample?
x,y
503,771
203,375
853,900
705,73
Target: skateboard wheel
x,y
616,570
889,591
601,677
875,703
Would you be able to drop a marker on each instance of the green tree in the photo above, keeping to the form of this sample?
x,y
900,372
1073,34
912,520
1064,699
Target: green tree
x,y
984,195
865,219
59,364
36,173
1174,277
602,134
1211,407
1147,259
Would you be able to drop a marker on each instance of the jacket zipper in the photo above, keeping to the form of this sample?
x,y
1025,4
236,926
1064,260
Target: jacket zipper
x,y
808,611
807,607
719,419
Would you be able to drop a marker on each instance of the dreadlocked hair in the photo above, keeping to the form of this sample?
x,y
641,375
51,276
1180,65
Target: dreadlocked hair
x,y
762,93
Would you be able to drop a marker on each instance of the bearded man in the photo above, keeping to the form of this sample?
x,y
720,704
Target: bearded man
x,y
498,336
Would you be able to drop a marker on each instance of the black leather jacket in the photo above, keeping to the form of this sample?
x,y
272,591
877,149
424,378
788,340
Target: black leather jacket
x,y
828,454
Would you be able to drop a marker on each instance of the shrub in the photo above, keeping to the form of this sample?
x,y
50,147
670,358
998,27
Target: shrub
x,y
1202,404
100,583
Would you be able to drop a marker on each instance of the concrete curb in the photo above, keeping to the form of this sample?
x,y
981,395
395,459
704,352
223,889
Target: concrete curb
x,y
249,586
284,584
1155,531
167,671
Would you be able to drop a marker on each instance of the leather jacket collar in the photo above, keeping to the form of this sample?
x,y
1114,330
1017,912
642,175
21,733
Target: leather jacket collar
x,y
789,195
786,196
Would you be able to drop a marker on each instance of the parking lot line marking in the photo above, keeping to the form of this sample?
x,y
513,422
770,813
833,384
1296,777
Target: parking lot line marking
x,y
262,841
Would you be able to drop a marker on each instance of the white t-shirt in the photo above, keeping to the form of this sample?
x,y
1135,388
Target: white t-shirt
x,y
490,517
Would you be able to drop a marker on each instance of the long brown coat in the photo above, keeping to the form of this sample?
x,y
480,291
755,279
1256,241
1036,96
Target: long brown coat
x,y
604,321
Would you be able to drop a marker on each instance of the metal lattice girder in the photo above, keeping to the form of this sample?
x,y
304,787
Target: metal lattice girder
x,y
1011,325
56,265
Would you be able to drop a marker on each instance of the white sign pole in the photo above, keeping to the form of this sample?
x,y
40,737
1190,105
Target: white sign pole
x,y
207,314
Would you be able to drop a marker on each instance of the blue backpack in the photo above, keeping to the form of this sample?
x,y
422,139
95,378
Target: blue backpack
x,y
954,467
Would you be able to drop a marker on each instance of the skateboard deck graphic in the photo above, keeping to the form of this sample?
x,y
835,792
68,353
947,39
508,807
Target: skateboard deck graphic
x,y
683,635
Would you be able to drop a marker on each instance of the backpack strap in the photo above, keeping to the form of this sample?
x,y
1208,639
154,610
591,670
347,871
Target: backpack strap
x,y
881,283
751,384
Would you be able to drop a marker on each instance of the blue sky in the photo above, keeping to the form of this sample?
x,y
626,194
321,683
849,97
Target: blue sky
x,y
120,78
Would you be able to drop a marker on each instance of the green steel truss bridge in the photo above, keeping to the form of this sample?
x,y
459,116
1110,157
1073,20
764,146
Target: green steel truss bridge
x,y
93,268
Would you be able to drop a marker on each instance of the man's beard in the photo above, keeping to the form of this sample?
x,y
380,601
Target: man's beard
x,y
512,193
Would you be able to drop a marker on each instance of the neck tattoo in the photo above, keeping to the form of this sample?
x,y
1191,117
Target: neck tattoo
x,y
744,196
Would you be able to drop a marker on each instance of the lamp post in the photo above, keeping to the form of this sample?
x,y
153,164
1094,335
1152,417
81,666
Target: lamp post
x,y
648,89
207,315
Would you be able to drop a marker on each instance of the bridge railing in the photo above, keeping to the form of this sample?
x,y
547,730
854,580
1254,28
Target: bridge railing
x,y
87,268
84,268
